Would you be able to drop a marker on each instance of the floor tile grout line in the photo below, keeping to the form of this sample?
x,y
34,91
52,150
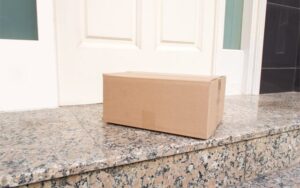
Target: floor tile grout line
x,y
81,125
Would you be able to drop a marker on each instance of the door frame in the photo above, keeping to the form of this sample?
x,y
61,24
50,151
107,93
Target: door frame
x,y
251,45
252,80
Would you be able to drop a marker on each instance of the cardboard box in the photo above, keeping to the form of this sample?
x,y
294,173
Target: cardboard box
x,y
178,104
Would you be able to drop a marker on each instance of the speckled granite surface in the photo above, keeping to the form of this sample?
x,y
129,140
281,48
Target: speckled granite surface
x,y
46,144
272,153
220,166
288,178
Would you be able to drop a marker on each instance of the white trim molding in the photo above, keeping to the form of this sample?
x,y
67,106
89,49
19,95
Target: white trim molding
x,y
254,47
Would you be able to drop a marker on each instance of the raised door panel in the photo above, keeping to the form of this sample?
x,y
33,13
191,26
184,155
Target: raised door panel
x,y
179,22
110,20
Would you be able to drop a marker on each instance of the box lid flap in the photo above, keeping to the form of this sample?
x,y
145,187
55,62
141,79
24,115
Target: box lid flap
x,y
162,76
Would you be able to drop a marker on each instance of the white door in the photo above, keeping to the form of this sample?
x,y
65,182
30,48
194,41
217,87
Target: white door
x,y
28,78
99,36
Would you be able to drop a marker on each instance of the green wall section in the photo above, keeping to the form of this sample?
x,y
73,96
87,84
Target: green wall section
x,y
233,24
18,19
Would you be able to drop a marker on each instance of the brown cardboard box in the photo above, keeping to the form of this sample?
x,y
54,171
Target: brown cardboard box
x,y
179,104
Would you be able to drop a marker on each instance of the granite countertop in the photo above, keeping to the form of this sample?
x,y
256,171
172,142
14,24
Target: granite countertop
x,y
45,144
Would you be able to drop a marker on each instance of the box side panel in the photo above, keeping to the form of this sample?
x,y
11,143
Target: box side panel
x,y
216,104
121,101
221,88
213,111
176,107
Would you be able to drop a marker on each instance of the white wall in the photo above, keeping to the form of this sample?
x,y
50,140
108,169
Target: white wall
x,y
28,73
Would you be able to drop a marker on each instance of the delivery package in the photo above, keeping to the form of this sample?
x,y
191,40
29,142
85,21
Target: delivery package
x,y
178,104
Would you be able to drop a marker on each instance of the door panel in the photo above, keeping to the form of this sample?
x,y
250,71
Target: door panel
x,y
111,19
179,21
99,36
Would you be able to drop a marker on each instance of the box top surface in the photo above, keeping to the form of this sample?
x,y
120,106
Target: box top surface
x,y
163,76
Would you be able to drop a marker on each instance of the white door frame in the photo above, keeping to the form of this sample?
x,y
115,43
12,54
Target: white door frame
x,y
243,66
28,72
254,59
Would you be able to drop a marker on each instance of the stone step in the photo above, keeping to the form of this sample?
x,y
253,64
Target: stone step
x,y
289,178
72,147
219,166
